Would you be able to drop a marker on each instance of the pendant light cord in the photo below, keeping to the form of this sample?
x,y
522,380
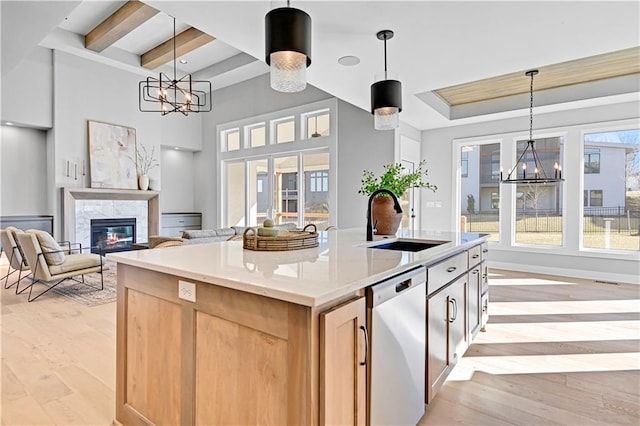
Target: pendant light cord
x,y
531,109
175,74
385,58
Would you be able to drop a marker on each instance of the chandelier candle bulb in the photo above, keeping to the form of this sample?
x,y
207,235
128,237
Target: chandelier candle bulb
x,y
524,171
555,170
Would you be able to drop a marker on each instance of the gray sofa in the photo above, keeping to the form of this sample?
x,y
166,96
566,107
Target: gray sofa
x,y
202,236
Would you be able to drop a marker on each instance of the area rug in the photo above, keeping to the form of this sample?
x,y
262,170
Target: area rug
x,y
89,293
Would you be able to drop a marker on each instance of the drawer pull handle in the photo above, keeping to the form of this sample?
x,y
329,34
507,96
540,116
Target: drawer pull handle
x,y
452,318
451,268
485,250
366,344
475,271
475,256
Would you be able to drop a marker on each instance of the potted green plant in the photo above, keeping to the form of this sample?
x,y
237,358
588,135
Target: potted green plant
x,y
396,178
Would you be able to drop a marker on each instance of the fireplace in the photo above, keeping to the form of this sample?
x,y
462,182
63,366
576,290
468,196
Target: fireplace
x,y
112,235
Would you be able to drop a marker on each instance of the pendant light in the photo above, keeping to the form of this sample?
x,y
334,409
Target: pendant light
x,y
315,134
288,48
519,172
386,95
166,95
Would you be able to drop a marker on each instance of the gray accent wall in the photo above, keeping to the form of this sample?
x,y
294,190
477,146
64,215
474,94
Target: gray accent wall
x,y
177,180
23,172
360,147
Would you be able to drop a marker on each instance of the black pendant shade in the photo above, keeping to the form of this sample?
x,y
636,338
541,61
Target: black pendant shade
x,y
287,29
386,94
288,48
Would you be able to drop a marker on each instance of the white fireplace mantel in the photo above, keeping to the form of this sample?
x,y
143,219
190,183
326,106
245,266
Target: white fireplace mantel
x,y
70,195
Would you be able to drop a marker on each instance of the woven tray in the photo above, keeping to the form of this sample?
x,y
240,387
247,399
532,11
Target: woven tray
x,y
290,240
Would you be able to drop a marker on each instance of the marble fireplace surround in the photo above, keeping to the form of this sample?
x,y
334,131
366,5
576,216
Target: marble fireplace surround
x,y
71,197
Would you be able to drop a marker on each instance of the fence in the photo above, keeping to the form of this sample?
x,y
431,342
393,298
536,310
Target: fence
x,y
620,220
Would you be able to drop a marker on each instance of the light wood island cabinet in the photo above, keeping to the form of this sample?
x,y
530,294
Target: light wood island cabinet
x,y
277,345
234,357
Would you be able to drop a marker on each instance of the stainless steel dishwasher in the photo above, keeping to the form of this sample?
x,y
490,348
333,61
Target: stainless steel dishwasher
x,y
397,321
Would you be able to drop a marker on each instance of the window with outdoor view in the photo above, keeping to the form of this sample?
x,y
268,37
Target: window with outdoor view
x,y
539,207
480,189
611,212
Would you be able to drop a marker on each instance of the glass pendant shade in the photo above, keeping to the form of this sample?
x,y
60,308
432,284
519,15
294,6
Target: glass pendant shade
x,y
288,71
288,48
386,118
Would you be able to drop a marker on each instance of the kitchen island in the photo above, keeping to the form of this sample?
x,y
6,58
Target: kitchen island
x,y
215,334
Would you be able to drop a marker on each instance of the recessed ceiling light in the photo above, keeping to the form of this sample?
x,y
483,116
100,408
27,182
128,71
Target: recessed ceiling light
x,y
176,148
8,123
349,61
183,61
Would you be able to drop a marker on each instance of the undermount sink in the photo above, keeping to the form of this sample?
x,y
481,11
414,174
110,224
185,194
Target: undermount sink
x,y
408,245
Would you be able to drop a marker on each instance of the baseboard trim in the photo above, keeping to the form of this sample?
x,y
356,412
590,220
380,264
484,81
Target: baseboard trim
x,y
607,277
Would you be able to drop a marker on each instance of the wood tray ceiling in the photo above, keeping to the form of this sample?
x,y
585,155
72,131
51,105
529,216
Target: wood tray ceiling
x,y
593,68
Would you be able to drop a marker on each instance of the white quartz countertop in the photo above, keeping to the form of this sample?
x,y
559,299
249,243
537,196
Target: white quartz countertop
x,y
342,264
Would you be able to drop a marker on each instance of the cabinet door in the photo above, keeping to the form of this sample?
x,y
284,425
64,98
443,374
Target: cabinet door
x,y
475,289
343,337
458,306
438,361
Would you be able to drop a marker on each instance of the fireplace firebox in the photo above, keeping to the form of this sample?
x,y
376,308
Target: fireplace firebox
x,y
112,235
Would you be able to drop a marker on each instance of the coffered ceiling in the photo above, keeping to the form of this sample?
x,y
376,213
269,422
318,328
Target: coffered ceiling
x,y
459,61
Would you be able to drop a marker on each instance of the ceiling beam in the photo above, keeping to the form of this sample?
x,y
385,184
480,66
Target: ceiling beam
x,y
119,24
186,41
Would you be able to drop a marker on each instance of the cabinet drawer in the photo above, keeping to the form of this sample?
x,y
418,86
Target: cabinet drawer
x,y
446,271
170,220
475,255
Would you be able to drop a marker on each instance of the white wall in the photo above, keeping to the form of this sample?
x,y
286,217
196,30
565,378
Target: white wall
x,y
27,96
86,90
177,181
23,171
437,149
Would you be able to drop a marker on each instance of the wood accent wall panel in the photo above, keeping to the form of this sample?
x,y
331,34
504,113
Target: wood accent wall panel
x,y
154,357
243,370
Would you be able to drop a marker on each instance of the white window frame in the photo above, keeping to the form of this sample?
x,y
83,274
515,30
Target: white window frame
x,y
273,149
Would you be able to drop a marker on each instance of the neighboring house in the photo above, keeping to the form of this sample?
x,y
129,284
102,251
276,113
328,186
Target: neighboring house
x,y
604,174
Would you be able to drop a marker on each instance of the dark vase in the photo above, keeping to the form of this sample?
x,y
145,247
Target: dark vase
x,y
384,218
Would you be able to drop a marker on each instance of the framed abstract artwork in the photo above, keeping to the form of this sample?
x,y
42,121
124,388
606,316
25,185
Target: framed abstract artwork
x,y
112,153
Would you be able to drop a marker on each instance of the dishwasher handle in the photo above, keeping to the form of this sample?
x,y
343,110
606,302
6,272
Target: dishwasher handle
x,y
403,285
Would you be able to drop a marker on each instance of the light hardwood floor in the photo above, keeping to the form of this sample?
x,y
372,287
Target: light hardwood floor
x,y
556,351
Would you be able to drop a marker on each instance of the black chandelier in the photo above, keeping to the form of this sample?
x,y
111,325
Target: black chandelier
x,y
520,174
166,95
288,48
386,95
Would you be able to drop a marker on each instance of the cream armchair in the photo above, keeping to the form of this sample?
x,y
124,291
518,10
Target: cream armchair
x,y
49,262
17,262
